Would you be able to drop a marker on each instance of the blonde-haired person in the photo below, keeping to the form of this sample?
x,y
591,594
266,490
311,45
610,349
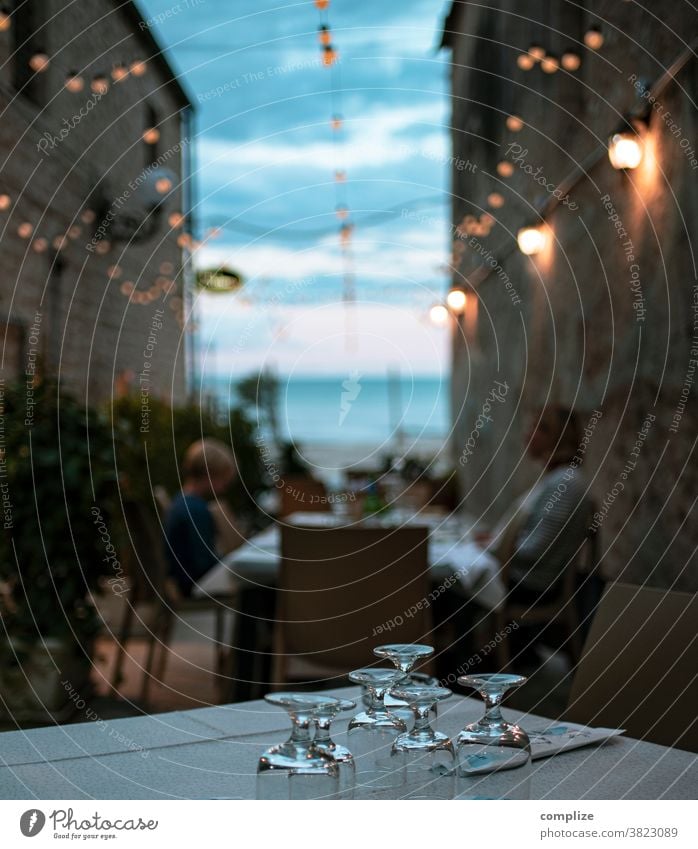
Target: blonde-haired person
x,y
198,527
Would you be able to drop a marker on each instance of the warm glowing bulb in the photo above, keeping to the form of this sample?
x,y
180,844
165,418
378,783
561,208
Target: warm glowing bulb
x,y
495,200
336,122
531,240
322,4
39,62
103,247
571,61
549,64
114,271
536,52
5,20
59,242
438,314
329,55
525,62
342,212
74,232
127,288
5,202
593,38
625,150
25,230
514,123
151,135
138,68
176,219
88,216
456,299
184,240
340,176
324,35
74,82
163,185
505,169
119,72
40,245
100,84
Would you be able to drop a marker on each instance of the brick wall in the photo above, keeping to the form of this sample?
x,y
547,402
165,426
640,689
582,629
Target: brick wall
x,y
596,327
60,149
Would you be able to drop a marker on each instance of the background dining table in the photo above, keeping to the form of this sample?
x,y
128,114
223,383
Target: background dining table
x,y
212,753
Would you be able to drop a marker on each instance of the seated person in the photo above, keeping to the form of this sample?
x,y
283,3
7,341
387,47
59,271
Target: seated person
x,y
193,527
546,528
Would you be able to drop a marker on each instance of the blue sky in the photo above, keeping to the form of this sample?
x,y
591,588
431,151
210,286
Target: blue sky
x,y
267,155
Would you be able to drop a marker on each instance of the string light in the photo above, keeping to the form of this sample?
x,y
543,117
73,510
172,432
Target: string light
x,y
127,288
495,200
342,212
536,52
456,300
175,220
74,82
88,216
531,240
99,84
514,123
103,247
40,245
625,149
119,72
593,38
25,230
151,135
138,68
438,314
571,61
549,64
163,185
5,202
39,62
329,55
345,233
324,35
114,271
340,176
505,169
336,122
74,232
525,62
322,4
5,20
59,242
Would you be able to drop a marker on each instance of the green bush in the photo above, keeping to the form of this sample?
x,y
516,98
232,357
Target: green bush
x,y
56,467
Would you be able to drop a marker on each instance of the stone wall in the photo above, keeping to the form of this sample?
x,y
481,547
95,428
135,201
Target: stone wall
x,y
59,151
606,316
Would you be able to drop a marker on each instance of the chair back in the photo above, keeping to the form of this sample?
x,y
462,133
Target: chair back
x,y
143,557
302,494
639,667
344,591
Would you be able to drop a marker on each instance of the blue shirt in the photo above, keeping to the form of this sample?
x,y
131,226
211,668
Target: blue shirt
x,y
190,540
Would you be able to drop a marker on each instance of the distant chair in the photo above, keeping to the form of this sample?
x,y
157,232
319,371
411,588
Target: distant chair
x,y
639,668
303,494
146,572
343,591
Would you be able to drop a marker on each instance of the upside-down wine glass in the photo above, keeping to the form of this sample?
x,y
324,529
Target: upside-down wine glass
x,y
425,756
324,716
372,733
493,757
297,769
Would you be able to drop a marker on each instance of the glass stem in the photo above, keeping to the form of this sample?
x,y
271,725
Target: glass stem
x,y
300,734
422,729
322,733
493,713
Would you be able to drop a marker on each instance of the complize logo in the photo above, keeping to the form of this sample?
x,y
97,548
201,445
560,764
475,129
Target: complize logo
x,y
31,822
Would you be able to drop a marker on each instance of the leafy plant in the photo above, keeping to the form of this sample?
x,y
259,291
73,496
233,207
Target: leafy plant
x,y
55,468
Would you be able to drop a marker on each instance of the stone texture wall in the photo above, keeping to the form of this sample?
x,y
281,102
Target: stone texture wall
x,y
607,319
55,149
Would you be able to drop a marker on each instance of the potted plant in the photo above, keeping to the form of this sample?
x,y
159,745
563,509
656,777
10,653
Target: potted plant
x,y
56,477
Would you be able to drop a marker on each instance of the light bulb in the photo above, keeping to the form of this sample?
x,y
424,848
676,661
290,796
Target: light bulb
x,y
625,150
531,240
536,52
514,123
39,62
138,68
456,300
151,135
100,84
74,82
549,64
438,314
495,200
25,230
525,62
571,61
593,38
504,168
163,185
5,202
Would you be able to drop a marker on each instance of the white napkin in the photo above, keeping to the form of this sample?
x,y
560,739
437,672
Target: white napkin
x,y
565,736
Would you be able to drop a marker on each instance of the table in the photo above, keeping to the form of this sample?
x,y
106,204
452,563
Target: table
x,y
451,552
212,753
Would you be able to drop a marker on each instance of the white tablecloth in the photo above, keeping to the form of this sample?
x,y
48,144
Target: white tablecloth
x,y
453,557
212,753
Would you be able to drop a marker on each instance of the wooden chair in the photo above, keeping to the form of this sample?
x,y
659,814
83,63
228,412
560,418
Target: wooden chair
x,y
343,591
563,610
303,494
146,571
639,668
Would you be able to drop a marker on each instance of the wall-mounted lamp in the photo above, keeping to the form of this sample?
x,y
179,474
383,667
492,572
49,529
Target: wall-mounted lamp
x,y
532,239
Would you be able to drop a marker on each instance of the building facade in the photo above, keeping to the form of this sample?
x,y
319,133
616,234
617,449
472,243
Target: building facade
x,y
602,317
94,191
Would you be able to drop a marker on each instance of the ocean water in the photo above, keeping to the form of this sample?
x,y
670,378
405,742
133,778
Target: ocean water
x,y
362,410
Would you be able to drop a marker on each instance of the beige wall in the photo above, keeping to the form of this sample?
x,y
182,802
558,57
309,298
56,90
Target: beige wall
x,y
576,338
97,331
